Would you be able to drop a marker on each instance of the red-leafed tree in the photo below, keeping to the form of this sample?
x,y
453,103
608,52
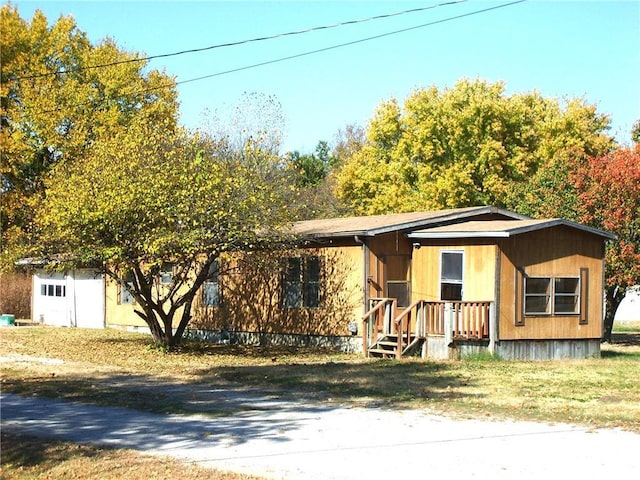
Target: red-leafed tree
x,y
608,194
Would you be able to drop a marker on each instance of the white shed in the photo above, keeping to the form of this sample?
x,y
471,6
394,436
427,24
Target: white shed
x,y
71,299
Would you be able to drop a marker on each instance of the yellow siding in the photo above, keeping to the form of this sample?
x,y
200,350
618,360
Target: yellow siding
x,y
252,302
479,271
119,316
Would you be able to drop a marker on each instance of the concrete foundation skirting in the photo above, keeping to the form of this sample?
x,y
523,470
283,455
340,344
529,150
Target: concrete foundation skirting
x,y
351,344
437,348
548,349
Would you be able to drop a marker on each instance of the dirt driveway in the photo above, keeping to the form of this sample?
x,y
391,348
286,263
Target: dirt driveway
x,y
298,439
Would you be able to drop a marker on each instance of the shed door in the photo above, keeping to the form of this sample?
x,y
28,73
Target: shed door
x,y
89,299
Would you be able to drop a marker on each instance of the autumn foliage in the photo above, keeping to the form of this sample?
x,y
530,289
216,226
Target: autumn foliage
x,y
608,191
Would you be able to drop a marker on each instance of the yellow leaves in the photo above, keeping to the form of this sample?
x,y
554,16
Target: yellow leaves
x,y
467,145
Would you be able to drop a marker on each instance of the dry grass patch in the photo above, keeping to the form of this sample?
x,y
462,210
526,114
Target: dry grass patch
x,y
112,367
32,458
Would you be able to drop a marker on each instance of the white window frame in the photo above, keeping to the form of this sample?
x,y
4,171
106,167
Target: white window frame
x,y
548,295
166,273
451,281
124,295
576,294
53,289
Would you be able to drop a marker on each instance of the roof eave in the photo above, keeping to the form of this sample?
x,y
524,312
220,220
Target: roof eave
x,y
515,231
445,217
457,235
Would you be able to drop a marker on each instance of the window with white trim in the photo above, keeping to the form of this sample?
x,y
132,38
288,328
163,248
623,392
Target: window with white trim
x,y
53,290
566,295
451,275
166,273
124,295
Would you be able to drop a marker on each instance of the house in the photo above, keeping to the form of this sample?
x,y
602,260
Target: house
x,y
437,284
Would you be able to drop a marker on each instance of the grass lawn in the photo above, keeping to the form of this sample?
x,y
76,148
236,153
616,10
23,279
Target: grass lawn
x,y
113,367
30,458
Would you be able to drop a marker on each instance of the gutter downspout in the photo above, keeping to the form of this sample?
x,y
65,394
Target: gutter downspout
x,y
494,334
366,269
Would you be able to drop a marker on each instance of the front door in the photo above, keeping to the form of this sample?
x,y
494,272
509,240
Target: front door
x,y
397,278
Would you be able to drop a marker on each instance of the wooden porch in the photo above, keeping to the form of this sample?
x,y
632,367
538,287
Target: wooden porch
x,y
392,333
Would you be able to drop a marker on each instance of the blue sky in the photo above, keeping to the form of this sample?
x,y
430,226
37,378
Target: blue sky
x,y
587,49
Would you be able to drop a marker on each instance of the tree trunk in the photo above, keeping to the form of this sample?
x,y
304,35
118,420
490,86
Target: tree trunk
x,y
614,296
154,326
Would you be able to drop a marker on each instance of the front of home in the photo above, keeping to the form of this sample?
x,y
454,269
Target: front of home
x,y
436,284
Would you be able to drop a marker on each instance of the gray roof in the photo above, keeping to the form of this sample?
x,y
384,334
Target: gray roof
x,y
500,229
379,224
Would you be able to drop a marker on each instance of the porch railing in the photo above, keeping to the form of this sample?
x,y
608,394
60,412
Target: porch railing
x,y
378,320
457,320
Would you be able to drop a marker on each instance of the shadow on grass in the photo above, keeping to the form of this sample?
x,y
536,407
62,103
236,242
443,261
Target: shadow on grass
x,y
32,451
626,339
235,404
222,390
375,383
630,341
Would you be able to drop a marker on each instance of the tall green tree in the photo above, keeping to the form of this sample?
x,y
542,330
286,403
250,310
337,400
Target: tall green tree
x,y
54,106
312,169
156,199
467,145
315,178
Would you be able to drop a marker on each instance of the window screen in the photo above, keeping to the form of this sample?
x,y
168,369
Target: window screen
x,y
451,276
537,295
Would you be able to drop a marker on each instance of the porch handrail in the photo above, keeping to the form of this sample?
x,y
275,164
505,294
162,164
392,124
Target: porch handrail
x,y
374,320
451,319
406,320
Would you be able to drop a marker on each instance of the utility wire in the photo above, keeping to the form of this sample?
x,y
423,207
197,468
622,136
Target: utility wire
x,y
241,42
290,57
354,42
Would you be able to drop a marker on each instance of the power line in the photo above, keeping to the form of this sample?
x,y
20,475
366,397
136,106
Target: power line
x,y
312,52
354,42
241,42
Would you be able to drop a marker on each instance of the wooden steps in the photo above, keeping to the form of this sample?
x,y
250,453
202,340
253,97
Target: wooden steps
x,y
387,347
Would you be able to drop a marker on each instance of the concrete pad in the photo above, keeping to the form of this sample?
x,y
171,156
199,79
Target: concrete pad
x,y
305,440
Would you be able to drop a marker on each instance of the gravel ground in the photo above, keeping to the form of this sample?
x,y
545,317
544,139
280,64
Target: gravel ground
x,y
305,440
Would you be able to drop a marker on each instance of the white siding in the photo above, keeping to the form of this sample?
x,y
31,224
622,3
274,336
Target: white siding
x,y
71,299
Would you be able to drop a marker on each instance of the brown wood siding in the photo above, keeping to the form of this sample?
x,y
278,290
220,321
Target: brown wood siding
x,y
555,252
252,298
389,244
253,303
116,315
